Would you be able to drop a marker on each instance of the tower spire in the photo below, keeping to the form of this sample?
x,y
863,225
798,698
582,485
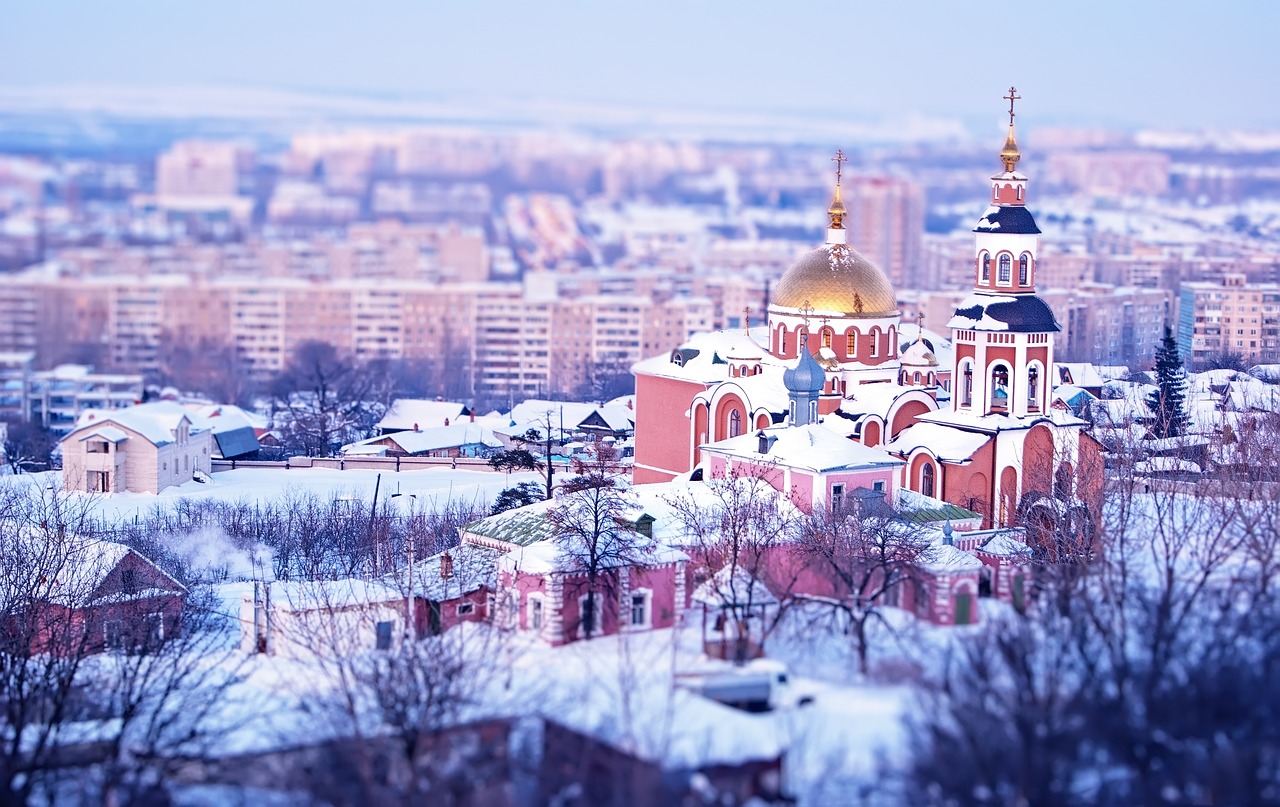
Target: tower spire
x,y
1010,155
837,211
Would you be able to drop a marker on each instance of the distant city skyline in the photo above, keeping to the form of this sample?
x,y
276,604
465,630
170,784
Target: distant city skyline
x,y
1176,64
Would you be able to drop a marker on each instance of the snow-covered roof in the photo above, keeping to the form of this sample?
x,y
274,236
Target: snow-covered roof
x,y
433,439
947,559
155,422
566,553
1023,313
474,567
1014,219
1005,544
405,413
109,433
944,442
704,357
1081,374
226,417
293,595
1166,465
872,399
733,587
810,447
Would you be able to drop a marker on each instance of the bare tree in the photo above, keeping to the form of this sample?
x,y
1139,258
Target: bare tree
x,y
322,400
596,539
741,533
863,558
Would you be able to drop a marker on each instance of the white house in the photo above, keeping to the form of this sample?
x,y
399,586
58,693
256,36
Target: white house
x,y
142,449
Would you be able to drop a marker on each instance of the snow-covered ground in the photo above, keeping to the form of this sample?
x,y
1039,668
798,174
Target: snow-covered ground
x,y
432,487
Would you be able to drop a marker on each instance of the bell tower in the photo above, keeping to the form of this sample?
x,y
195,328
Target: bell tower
x,y
1003,332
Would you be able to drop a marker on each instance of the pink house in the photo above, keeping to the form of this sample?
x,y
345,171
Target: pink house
x,y
542,581
818,468
453,587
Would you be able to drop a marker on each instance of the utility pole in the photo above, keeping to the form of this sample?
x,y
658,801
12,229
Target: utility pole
x,y
409,627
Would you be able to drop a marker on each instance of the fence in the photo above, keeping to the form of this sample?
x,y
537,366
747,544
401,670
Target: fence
x,y
359,463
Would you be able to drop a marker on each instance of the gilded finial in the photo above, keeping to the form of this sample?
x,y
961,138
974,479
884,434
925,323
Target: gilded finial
x,y
920,327
746,320
837,211
1010,155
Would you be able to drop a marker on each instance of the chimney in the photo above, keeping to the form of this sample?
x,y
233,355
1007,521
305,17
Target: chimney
x,y
446,566
415,427
764,441
473,417
446,421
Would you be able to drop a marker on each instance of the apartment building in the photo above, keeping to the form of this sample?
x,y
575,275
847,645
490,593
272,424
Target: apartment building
x,y
1232,316
886,224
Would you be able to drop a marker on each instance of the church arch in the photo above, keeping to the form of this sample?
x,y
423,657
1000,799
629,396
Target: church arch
x,y
871,433
966,383
1008,495
999,386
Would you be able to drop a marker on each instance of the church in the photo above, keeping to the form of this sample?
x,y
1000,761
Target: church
x,y
829,398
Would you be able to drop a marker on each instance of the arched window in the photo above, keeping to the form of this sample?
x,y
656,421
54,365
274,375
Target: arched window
x,y
917,379
735,423
1000,387
826,337
851,344
783,332
1006,270
966,386
986,267
813,411
875,342
1033,388
1024,269
926,479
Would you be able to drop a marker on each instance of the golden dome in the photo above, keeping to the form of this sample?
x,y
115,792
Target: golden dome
x,y
837,278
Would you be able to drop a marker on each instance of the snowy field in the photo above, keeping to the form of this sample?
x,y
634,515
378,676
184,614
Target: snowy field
x,y
433,487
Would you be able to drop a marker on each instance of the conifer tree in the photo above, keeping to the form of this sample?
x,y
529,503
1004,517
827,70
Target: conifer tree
x,y
1169,402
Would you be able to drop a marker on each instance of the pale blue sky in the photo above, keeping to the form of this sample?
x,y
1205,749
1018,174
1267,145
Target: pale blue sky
x,y
1170,63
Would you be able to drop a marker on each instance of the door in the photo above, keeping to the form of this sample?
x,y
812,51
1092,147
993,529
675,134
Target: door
x,y
964,609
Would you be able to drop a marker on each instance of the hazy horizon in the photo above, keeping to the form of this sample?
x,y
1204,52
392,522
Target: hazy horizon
x,y
1173,64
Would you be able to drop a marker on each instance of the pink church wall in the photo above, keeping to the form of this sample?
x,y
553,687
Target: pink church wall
x,y
664,435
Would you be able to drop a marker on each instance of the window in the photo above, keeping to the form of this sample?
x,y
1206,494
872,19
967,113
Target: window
x,y
837,497
534,620
465,608
1006,270
735,423
926,479
1024,269
986,267
152,631
875,342
826,337
851,344
966,390
639,609
384,635
128,581
1033,380
878,486
96,447
588,623
813,411
113,634
1000,387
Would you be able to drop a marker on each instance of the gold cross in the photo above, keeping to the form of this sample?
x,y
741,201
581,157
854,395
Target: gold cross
x,y
805,311
838,159
1011,97
746,320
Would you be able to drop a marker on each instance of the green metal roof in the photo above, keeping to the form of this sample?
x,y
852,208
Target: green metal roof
x,y
935,514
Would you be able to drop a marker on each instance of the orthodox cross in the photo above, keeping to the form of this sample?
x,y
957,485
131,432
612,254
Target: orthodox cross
x,y
746,320
838,159
805,311
1011,97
